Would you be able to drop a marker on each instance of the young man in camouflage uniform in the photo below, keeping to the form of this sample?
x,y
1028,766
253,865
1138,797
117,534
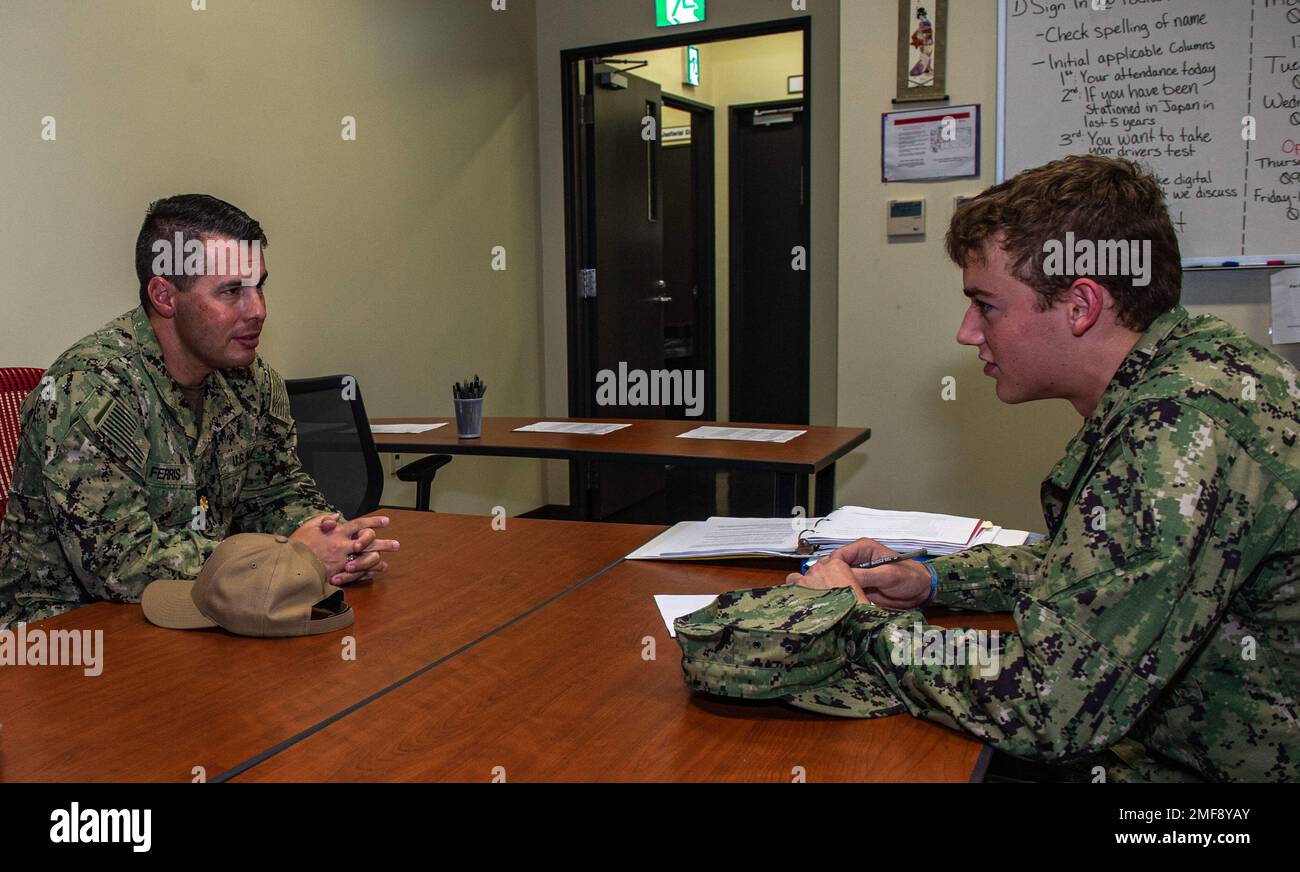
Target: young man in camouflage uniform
x,y
1159,623
154,438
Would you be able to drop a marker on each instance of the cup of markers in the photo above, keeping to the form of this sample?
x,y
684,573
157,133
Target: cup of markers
x,y
468,396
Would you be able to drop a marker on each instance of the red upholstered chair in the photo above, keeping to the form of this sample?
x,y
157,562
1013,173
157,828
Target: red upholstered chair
x,y
15,384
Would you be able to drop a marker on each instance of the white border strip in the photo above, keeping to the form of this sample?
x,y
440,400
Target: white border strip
x,y
999,172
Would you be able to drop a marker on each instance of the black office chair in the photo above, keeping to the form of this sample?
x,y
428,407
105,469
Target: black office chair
x,y
336,448
422,472
334,442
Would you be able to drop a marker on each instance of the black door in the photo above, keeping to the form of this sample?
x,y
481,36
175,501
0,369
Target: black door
x,y
769,295
681,284
626,195
628,311
686,167
686,170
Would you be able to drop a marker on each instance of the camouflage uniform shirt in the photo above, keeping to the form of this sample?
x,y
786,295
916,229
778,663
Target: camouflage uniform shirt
x,y
1160,620
115,486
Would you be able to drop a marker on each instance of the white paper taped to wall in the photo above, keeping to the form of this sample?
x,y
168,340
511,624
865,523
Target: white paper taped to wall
x,y
1286,306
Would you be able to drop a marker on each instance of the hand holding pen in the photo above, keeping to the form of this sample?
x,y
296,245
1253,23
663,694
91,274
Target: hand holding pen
x,y
875,573
918,554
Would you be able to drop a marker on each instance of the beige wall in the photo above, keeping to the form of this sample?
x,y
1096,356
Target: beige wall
x,y
380,248
900,304
733,73
566,24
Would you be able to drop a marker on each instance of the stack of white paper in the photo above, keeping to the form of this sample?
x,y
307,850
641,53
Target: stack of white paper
x,y
800,537
902,531
725,537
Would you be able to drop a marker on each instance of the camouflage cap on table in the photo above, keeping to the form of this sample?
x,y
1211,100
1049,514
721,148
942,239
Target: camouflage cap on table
x,y
789,642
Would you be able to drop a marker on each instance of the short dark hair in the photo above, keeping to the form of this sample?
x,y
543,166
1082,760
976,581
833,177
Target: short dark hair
x,y
193,216
1096,198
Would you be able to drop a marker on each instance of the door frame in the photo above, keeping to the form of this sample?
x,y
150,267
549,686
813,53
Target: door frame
x,y
736,290
579,224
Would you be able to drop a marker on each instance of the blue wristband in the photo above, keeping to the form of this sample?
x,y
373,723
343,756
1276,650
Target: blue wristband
x,y
934,581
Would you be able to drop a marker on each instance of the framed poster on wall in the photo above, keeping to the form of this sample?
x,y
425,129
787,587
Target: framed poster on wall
x,y
922,50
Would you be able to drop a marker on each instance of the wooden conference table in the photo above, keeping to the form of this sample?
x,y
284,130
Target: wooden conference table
x,y
521,653
652,441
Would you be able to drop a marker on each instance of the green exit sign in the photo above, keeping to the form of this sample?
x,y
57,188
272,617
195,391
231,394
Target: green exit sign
x,y
670,12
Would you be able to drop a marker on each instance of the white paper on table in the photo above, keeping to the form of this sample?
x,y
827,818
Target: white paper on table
x,y
571,427
741,434
405,428
673,605
1286,306
743,534
676,538
725,537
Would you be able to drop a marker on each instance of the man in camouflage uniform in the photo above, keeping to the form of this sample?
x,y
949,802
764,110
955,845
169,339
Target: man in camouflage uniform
x,y
154,438
1159,623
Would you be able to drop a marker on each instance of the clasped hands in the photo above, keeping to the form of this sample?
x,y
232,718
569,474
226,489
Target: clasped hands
x,y
350,550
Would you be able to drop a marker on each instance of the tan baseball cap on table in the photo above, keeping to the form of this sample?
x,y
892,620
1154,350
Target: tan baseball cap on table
x,y
253,584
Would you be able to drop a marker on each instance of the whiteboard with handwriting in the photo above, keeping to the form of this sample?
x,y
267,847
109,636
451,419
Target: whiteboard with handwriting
x,y
1204,92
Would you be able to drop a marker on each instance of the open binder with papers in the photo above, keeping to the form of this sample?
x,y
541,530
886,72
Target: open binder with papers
x,y
719,538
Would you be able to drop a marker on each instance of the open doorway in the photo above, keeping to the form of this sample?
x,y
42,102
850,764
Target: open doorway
x,y
657,202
